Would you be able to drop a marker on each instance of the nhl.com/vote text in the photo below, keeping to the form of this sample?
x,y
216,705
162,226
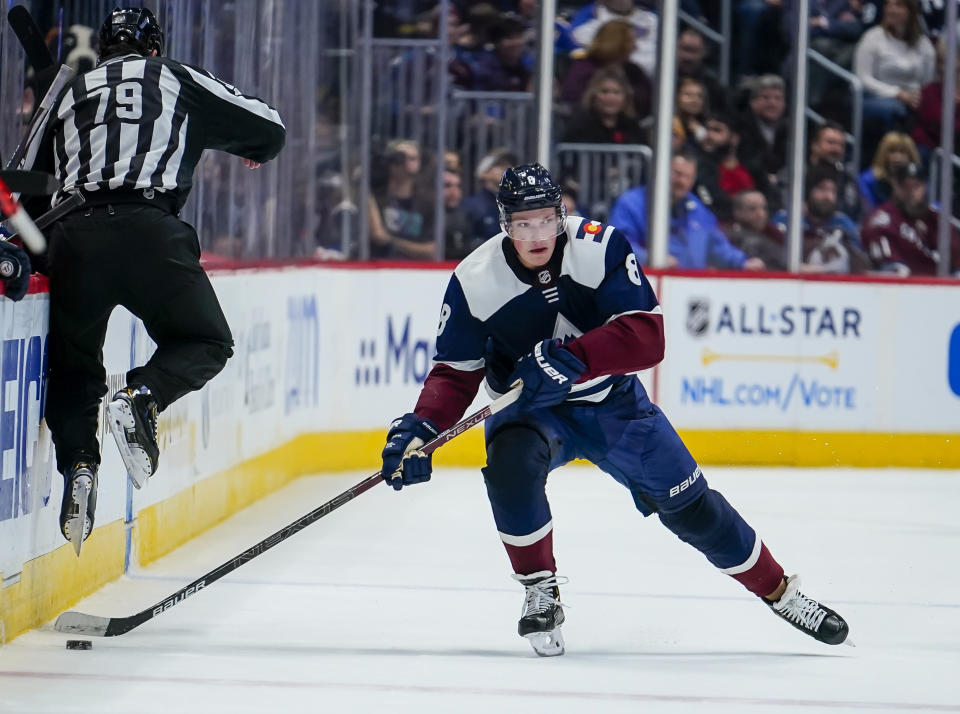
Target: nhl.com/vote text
x,y
804,393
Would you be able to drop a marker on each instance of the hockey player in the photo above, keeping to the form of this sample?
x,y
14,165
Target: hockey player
x,y
127,136
561,304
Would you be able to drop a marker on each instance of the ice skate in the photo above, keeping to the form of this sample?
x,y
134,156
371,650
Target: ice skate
x,y
542,613
808,615
132,416
79,503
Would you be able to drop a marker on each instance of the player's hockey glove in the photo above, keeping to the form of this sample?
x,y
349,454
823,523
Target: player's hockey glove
x,y
403,463
14,271
547,373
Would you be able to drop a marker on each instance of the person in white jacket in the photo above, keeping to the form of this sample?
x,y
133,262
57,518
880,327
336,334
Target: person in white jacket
x,y
894,60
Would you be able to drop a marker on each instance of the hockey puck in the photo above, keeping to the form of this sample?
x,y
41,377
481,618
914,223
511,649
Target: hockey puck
x,y
79,645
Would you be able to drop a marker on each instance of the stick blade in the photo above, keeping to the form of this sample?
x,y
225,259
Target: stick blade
x,y
30,37
78,623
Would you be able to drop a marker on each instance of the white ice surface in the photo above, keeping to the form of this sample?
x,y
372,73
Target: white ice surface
x,y
401,602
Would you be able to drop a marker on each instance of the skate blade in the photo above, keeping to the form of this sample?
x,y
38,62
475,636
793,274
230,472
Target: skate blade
x,y
77,527
135,460
547,644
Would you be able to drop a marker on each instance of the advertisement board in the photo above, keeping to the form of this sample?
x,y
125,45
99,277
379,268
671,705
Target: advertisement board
x,y
808,355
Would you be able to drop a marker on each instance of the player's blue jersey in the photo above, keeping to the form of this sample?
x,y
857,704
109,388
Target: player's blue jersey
x,y
592,278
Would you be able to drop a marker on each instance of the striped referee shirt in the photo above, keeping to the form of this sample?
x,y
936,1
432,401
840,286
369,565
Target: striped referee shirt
x,y
143,122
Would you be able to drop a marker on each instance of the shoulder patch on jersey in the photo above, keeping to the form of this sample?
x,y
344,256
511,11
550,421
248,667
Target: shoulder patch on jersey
x,y
880,219
589,230
584,260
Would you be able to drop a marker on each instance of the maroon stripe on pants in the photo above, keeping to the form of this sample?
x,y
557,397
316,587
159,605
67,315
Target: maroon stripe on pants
x,y
764,577
527,559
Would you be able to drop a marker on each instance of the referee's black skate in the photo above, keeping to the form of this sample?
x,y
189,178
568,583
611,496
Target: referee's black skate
x,y
542,613
132,416
808,615
79,502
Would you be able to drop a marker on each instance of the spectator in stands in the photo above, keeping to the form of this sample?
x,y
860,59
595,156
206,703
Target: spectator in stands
x,y
611,47
481,208
452,162
721,175
831,243
457,233
835,28
926,130
896,149
480,18
529,13
901,234
695,240
464,46
692,110
754,233
757,38
678,136
644,23
828,147
569,197
764,132
894,61
691,51
606,114
933,13
508,66
401,215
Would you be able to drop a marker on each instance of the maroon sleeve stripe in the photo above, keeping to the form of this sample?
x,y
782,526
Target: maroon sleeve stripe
x,y
629,343
446,394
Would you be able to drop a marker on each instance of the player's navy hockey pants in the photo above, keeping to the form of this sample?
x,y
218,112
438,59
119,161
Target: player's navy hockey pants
x,y
630,439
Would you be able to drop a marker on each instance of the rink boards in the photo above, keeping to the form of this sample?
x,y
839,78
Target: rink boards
x,y
770,370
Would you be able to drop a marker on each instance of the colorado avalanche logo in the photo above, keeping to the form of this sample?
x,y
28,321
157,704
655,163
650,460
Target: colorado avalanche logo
x,y
592,228
698,317
544,276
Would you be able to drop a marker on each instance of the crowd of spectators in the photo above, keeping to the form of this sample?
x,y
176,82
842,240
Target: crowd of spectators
x,y
729,174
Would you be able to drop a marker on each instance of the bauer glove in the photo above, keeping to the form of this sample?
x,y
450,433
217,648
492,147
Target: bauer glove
x,y
403,463
547,374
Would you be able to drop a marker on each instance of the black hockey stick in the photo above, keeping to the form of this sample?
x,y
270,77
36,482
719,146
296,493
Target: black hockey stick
x,y
81,624
31,39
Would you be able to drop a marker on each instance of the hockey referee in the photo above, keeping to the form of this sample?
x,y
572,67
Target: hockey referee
x,y
127,135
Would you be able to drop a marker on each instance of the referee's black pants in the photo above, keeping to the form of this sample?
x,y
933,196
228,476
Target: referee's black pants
x,y
147,260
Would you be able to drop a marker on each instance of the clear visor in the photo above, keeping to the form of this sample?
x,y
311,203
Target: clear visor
x,y
532,226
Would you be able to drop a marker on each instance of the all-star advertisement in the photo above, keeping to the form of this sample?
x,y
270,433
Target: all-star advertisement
x,y
808,355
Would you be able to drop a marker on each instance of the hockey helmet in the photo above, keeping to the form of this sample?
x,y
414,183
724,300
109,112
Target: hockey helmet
x,y
134,26
526,188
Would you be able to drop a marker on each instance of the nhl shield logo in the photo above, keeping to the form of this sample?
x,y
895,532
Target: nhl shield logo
x,y
698,316
544,276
